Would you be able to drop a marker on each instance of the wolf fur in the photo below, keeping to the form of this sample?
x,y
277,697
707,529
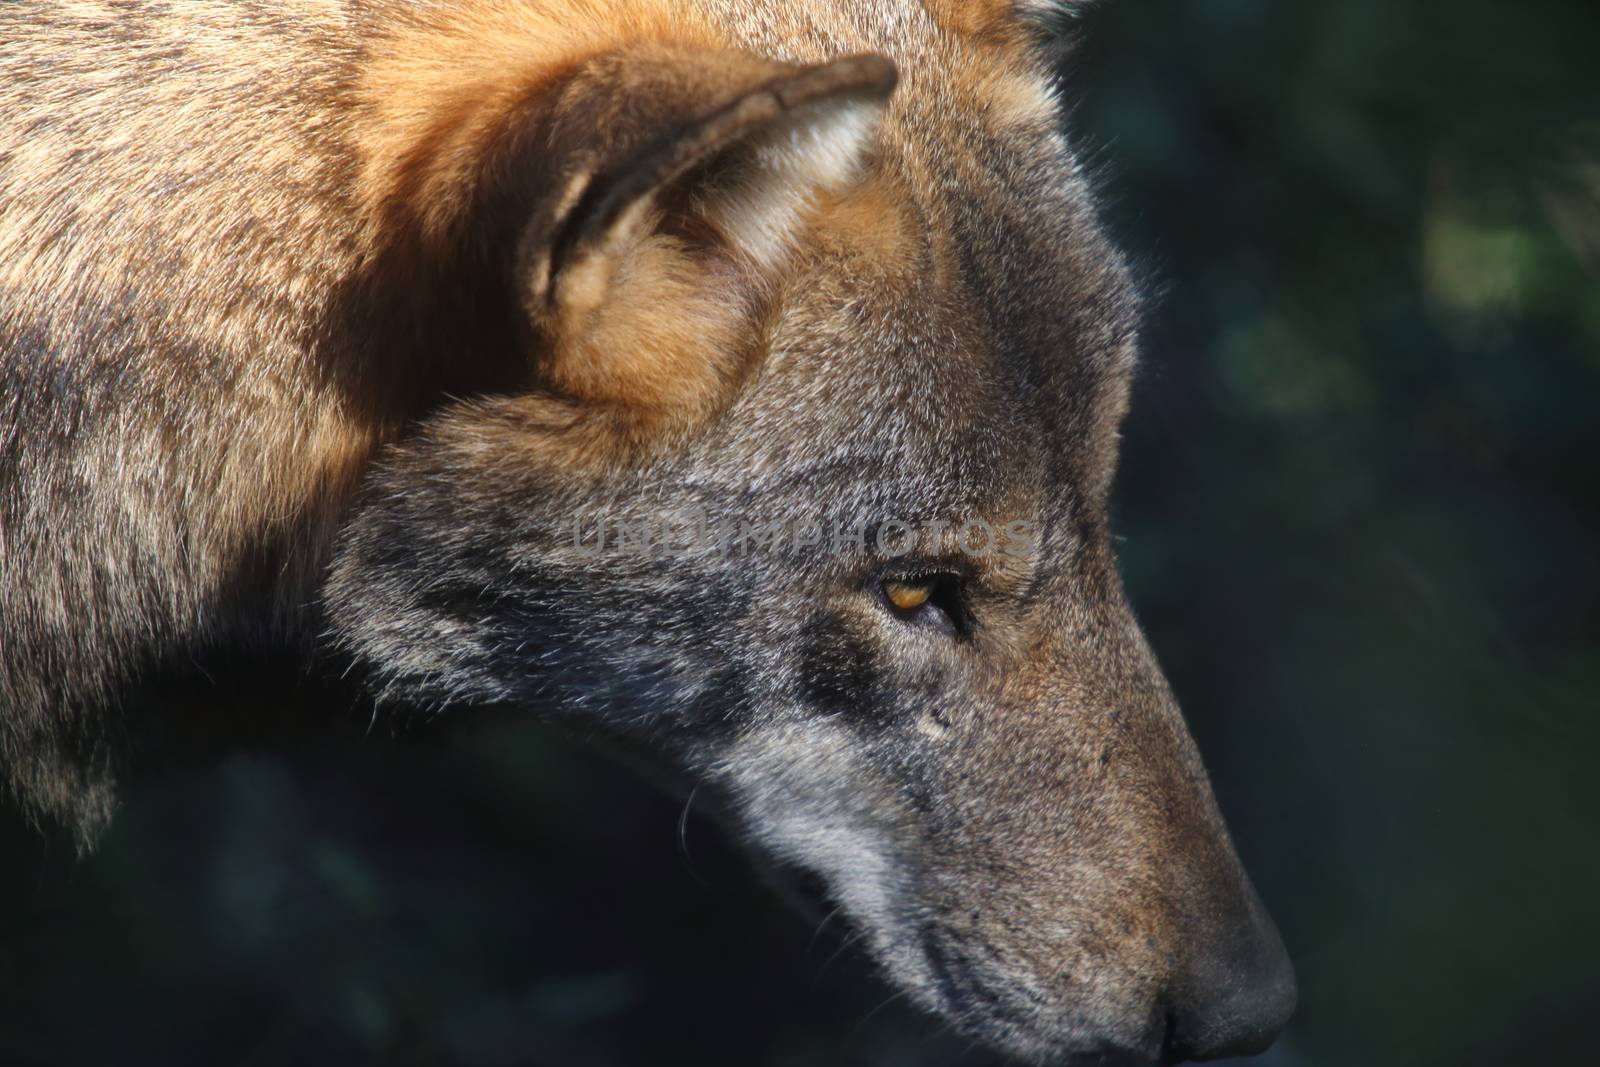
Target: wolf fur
x,y
322,322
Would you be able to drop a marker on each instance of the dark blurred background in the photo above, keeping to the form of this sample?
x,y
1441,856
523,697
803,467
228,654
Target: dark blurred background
x,y
1359,514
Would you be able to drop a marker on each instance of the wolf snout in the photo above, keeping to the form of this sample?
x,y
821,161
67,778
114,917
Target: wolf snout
x,y
1234,996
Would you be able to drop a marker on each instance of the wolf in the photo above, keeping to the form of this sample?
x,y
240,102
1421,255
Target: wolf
x,y
327,325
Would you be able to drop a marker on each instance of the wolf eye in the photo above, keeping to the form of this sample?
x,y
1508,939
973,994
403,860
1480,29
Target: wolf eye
x,y
908,596
932,600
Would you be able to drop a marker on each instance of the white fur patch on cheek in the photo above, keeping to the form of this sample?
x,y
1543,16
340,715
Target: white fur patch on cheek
x,y
1050,8
802,793
808,796
820,150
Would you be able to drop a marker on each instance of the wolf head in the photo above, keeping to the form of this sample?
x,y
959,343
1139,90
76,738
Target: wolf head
x,y
808,488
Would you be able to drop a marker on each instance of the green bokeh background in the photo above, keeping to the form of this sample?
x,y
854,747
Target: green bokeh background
x,y
1359,518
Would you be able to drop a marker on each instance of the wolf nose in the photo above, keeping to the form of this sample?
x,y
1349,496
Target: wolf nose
x,y
1234,999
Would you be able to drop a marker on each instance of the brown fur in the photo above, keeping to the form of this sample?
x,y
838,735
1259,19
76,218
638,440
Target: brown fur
x,y
141,243
320,321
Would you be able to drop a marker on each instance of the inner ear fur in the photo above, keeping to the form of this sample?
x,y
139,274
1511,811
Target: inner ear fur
x,y
644,205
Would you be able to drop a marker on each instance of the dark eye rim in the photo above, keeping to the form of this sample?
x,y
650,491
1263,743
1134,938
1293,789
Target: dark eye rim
x,y
946,608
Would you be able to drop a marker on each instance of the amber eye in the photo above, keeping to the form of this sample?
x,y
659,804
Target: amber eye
x,y
908,596
933,600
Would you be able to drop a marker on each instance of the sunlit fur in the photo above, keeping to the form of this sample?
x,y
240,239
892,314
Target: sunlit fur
x,y
321,323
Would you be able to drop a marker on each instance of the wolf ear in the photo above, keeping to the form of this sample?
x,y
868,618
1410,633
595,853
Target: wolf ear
x,y
1002,19
673,182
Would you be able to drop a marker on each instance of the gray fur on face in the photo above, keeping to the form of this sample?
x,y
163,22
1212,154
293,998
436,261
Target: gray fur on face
x,y
1013,816
363,311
